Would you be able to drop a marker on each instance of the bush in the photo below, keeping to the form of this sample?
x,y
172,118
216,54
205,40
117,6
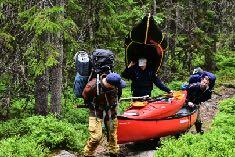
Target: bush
x,y
21,147
217,142
40,134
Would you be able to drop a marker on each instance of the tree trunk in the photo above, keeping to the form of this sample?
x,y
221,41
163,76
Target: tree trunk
x,y
41,94
56,86
89,20
42,81
154,7
174,26
56,71
210,64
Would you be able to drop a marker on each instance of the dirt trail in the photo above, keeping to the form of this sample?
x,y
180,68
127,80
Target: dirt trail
x,y
208,111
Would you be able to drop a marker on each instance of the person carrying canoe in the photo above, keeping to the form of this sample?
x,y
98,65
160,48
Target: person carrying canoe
x,y
199,92
103,106
198,73
143,78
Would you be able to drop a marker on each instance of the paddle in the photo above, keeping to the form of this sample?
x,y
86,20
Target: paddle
x,y
131,98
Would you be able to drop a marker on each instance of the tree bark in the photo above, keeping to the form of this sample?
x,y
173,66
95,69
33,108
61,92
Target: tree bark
x,y
56,71
89,20
154,7
41,94
42,81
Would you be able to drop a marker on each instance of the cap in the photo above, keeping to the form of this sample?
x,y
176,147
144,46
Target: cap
x,y
116,80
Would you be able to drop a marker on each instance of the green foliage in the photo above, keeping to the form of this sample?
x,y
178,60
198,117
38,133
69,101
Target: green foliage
x,y
227,106
45,23
176,85
26,34
22,108
7,40
159,18
42,21
217,142
21,147
72,114
40,134
226,64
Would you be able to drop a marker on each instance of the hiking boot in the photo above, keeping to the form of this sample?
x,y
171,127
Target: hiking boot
x,y
198,126
202,132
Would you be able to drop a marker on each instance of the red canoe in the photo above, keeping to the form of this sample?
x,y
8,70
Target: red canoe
x,y
132,130
163,107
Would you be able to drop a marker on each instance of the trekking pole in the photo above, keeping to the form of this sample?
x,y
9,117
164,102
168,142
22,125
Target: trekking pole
x,y
130,98
97,84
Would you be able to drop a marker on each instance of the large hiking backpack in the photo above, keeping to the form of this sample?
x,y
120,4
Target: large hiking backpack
x,y
83,70
196,77
102,61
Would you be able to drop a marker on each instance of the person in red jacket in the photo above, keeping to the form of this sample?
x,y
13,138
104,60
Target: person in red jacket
x,y
104,101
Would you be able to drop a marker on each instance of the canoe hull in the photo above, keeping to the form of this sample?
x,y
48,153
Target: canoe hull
x,y
158,109
130,130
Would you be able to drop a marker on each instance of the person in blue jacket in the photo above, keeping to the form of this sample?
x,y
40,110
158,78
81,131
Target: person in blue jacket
x,y
198,73
198,92
143,78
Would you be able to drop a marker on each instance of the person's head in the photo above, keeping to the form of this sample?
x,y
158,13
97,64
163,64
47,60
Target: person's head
x,y
142,62
205,81
113,80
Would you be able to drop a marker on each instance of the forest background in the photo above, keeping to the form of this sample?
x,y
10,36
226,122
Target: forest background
x,y
38,39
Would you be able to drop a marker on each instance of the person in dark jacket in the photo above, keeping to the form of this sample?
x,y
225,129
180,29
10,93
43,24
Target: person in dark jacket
x,y
197,93
143,78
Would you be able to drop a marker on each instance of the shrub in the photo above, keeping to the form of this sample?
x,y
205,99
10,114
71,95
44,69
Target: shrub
x,y
41,134
21,147
217,142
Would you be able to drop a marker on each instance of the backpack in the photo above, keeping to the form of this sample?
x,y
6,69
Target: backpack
x,y
102,61
82,63
83,70
196,77
87,67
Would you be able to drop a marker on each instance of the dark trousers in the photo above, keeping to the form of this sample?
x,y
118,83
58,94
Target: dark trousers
x,y
198,123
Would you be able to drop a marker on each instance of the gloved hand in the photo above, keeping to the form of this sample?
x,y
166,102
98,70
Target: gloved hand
x,y
190,104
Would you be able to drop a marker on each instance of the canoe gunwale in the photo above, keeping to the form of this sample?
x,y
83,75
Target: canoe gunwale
x,y
121,117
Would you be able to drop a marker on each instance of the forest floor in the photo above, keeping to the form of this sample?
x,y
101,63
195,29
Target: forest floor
x,y
208,112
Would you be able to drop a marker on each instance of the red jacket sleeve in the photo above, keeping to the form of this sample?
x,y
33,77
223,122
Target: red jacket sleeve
x,y
89,91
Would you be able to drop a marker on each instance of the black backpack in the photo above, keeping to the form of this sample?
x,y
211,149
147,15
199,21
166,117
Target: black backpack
x,y
102,61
